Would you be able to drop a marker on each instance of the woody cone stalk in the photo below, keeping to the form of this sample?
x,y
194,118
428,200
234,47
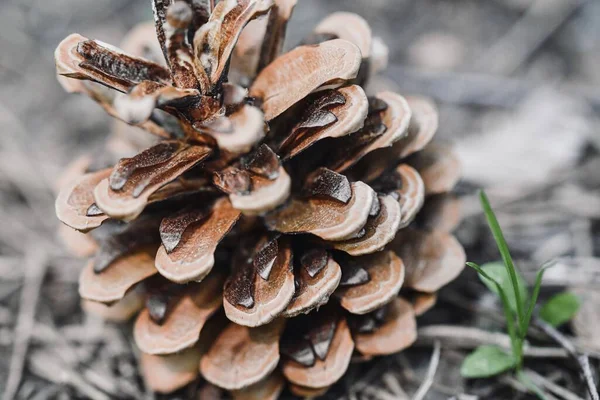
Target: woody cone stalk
x,y
282,223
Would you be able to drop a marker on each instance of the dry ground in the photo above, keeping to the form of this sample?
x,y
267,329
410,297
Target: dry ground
x,y
518,86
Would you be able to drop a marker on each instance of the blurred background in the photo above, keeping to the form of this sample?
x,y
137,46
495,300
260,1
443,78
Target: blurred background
x,y
517,83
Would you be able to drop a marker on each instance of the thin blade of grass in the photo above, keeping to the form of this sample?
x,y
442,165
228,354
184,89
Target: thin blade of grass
x,y
505,253
514,339
535,294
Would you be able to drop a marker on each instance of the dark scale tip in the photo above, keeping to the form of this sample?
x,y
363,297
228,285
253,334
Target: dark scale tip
x,y
363,323
300,351
172,228
240,288
317,119
353,275
233,180
265,256
160,153
328,183
314,261
377,105
321,337
264,162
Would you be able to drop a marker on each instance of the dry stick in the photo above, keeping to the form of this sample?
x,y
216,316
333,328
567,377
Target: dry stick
x,y
46,365
148,393
469,338
535,332
520,386
582,360
392,383
378,393
429,377
35,270
551,386
410,376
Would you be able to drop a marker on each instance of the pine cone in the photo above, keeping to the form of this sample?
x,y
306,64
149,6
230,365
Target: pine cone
x,y
275,230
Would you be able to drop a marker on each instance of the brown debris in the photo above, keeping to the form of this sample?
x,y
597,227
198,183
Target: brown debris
x,y
181,328
328,219
242,356
285,81
193,256
386,272
398,331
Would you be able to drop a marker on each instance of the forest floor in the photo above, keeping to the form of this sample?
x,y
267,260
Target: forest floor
x,y
518,87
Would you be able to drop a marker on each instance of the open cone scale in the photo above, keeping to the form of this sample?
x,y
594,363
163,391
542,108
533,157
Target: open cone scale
x,y
275,228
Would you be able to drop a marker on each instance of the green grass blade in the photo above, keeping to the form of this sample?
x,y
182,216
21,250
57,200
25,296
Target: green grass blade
x,y
504,252
510,326
534,295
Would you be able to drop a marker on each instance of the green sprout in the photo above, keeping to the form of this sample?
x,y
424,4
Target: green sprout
x,y
504,279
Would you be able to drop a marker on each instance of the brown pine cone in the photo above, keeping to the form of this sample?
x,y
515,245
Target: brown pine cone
x,y
276,229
